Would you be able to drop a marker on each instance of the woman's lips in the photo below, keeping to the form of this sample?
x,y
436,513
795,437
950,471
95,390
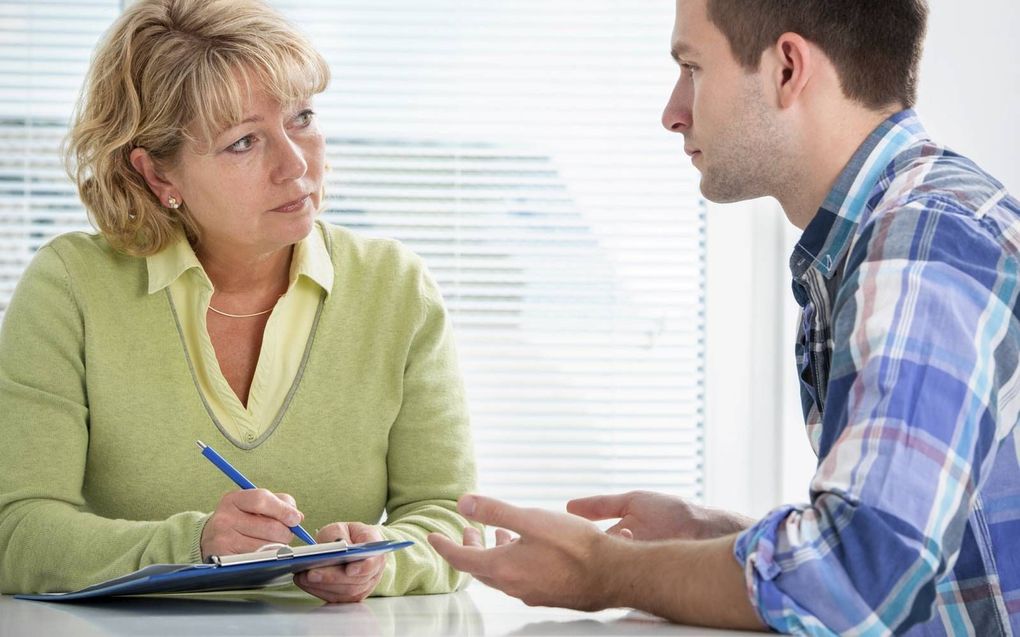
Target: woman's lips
x,y
291,206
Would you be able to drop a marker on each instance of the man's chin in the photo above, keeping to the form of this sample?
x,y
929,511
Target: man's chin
x,y
716,195
729,191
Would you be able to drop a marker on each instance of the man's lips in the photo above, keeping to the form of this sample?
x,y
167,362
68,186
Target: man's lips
x,y
291,206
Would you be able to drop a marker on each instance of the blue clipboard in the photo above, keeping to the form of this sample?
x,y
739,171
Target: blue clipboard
x,y
229,572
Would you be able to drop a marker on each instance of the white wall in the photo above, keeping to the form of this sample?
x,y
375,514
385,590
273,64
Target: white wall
x,y
970,83
969,99
747,359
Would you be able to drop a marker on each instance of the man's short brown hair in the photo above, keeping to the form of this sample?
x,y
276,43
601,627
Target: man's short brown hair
x,y
875,45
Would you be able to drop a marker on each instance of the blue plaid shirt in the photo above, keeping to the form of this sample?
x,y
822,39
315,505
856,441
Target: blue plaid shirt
x,y
909,358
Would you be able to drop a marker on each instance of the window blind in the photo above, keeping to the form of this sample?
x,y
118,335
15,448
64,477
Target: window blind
x,y
45,47
516,147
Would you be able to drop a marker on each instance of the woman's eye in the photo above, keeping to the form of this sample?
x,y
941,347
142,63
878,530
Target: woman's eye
x,y
304,118
242,144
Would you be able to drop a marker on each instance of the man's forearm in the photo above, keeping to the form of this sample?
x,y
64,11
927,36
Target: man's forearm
x,y
690,582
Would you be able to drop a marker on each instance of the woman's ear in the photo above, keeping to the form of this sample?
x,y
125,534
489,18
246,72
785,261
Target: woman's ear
x,y
165,191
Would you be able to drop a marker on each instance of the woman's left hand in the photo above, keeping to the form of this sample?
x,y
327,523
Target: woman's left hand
x,y
351,582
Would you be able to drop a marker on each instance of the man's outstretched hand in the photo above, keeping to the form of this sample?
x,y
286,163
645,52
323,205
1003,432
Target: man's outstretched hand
x,y
646,515
550,563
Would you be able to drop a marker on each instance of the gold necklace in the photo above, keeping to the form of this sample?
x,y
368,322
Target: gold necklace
x,y
227,314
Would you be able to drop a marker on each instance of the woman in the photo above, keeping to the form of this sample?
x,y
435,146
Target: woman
x,y
213,306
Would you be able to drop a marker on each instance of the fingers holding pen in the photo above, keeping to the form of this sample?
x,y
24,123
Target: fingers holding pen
x,y
289,499
264,503
248,519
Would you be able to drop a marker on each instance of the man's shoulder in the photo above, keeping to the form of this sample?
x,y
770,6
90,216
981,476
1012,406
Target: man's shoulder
x,y
938,207
930,195
937,179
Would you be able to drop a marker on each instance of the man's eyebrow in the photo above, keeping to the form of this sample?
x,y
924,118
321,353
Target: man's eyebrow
x,y
681,49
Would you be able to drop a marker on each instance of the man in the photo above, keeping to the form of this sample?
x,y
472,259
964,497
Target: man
x,y
907,274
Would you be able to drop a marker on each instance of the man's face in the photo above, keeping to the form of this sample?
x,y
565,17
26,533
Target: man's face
x,y
729,129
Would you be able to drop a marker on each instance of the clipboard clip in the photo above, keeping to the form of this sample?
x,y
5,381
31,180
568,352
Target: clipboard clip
x,y
284,553
277,552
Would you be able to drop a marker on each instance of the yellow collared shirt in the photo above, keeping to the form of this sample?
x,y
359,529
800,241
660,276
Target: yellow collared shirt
x,y
283,344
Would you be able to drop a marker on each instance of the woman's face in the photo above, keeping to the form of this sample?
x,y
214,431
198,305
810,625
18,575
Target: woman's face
x,y
258,187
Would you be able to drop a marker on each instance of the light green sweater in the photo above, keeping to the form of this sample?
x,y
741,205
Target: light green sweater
x,y
99,413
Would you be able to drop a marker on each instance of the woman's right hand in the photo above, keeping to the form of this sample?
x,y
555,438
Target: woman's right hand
x,y
248,519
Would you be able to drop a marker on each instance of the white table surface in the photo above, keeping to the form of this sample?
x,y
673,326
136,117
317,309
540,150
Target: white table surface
x,y
478,610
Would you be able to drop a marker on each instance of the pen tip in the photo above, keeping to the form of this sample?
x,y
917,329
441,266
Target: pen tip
x,y
201,445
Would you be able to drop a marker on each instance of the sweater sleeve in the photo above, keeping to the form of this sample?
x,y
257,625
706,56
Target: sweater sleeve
x,y
430,459
48,538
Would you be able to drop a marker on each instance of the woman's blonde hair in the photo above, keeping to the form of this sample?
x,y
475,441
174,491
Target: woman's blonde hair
x,y
169,71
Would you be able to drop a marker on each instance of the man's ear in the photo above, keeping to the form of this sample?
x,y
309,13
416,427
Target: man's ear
x,y
792,66
164,190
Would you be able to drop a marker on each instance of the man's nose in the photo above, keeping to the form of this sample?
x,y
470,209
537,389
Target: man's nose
x,y
676,117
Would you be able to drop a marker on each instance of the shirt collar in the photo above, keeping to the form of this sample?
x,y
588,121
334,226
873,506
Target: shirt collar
x,y
170,263
827,237
311,259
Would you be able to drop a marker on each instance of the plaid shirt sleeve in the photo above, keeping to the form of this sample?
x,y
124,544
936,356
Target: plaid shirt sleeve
x,y
922,389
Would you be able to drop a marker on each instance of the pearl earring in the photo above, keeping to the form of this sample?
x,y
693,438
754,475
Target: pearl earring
x,y
171,202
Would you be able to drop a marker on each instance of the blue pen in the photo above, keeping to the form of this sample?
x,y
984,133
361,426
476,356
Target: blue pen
x,y
243,482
